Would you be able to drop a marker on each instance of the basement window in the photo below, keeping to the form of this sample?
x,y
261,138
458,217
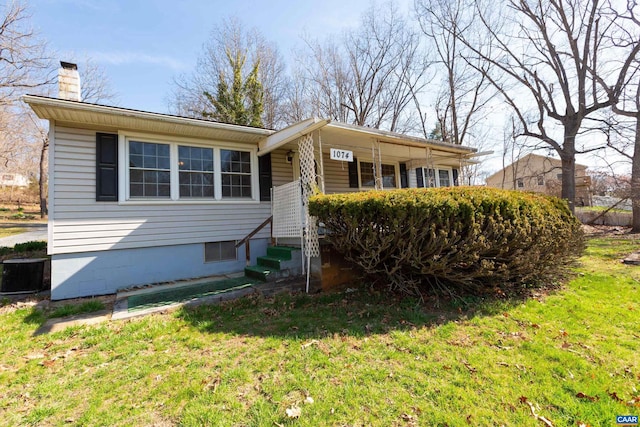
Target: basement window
x,y
220,251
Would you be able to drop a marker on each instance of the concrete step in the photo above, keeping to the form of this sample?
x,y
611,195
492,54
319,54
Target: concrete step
x,y
270,261
282,252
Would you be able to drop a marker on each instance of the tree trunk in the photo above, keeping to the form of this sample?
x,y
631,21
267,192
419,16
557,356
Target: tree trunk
x,y
43,179
568,158
635,179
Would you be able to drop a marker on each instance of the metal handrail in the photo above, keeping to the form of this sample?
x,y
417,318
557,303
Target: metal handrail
x,y
246,240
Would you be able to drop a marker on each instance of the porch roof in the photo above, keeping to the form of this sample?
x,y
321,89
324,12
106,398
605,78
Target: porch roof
x,y
359,139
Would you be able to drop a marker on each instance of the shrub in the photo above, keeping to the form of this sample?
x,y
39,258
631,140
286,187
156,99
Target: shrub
x,y
31,246
452,240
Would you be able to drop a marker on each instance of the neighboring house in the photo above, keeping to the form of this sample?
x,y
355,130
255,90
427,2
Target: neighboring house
x,y
138,197
542,175
8,179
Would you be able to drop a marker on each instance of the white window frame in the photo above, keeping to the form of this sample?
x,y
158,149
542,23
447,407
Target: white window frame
x,y
123,170
425,177
396,166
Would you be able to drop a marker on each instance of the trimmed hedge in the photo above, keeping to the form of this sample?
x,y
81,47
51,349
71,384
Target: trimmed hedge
x,y
452,240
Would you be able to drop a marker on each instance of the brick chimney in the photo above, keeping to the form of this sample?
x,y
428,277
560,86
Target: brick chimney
x,y
69,82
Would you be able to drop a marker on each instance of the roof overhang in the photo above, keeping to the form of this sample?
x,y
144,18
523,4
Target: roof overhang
x,y
102,116
288,134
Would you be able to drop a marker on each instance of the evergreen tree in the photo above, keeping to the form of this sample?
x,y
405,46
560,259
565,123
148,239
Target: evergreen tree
x,y
241,102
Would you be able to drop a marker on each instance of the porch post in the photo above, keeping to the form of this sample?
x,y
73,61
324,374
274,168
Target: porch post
x,y
319,132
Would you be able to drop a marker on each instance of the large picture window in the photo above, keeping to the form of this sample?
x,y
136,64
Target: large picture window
x,y
367,175
175,171
149,170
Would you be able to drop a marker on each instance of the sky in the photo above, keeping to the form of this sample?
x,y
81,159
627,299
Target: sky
x,y
143,44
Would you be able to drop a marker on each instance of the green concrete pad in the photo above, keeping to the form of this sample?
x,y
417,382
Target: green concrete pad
x,y
184,293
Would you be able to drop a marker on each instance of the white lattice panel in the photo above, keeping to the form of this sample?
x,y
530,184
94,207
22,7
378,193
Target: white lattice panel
x,y
286,208
308,178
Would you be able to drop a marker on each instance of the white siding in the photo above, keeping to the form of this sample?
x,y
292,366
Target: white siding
x,y
81,224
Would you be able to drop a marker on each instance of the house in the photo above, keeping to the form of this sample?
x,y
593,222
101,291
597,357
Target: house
x,y
10,179
137,197
540,174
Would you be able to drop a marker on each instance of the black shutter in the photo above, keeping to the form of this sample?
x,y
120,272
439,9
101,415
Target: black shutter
x,y
264,171
353,173
404,181
419,178
106,167
455,177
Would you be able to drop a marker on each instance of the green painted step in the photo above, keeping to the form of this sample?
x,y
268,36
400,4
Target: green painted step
x,y
282,252
184,293
270,261
259,272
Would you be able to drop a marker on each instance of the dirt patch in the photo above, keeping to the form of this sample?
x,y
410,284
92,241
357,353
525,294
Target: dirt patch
x,y
42,301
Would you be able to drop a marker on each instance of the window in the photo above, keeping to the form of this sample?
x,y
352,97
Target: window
x,y
444,178
367,175
236,173
520,183
388,176
175,171
540,180
436,177
559,176
430,178
196,171
149,170
367,178
220,251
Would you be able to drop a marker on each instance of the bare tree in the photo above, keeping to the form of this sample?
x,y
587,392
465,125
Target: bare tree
x,y
24,61
95,83
463,96
231,38
546,62
371,74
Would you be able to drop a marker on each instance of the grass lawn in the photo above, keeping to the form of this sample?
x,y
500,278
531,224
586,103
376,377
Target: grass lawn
x,y
344,359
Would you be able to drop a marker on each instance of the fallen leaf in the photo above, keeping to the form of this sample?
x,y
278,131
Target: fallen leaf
x,y
615,397
309,399
581,395
294,412
581,424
